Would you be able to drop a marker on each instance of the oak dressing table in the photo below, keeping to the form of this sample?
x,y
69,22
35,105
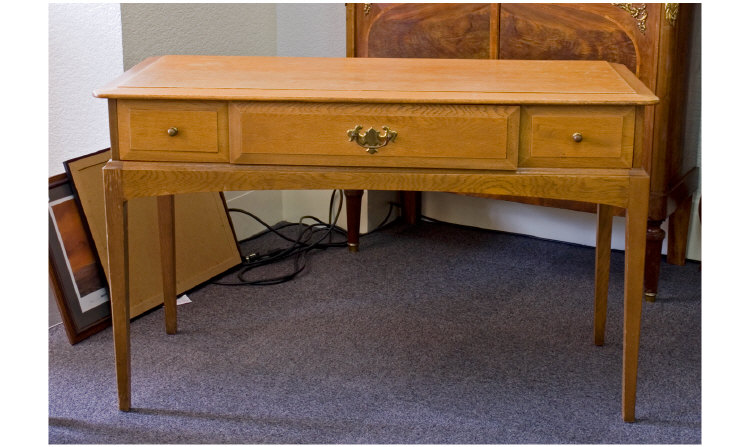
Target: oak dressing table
x,y
546,129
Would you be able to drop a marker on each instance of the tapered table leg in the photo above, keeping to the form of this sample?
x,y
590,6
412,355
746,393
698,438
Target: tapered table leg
x,y
117,254
165,205
601,281
635,251
353,217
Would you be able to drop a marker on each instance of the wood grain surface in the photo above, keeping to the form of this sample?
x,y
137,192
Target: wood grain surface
x,y
453,30
119,283
145,179
363,80
606,132
167,252
428,136
601,273
636,219
554,31
201,130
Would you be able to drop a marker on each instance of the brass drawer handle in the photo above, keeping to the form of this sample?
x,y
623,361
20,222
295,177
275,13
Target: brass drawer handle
x,y
371,140
577,137
172,131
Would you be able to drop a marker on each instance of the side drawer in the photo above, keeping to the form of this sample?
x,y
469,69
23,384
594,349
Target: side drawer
x,y
173,130
428,136
577,136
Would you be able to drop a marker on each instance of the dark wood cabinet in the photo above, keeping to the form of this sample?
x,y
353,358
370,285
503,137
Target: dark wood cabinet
x,y
650,39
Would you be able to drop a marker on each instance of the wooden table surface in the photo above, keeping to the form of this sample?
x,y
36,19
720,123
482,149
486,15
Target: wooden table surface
x,y
462,81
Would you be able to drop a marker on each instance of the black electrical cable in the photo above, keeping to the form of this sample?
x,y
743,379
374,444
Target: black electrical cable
x,y
301,247
299,250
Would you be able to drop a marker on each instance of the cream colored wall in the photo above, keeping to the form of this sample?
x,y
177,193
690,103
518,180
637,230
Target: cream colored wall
x,y
85,52
154,29
311,29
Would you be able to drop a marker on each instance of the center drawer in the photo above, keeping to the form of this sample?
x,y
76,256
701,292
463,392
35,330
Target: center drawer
x,y
429,136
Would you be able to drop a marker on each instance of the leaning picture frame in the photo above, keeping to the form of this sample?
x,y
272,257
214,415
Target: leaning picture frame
x,y
206,245
76,277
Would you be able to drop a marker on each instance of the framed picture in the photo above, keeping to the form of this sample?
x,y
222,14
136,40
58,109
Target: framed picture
x,y
205,242
76,277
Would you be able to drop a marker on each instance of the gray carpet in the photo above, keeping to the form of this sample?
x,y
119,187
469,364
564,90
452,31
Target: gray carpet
x,y
431,334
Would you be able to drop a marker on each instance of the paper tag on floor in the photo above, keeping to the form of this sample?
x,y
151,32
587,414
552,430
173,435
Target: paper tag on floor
x,y
183,300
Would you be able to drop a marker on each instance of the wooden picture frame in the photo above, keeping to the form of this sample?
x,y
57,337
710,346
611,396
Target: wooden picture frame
x,y
76,277
206,245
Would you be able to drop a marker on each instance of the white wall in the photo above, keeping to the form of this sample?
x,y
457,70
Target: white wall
x,y
228,29
85,52
311,29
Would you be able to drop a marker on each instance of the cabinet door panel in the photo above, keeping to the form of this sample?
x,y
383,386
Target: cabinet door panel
x,y
454,31
548,31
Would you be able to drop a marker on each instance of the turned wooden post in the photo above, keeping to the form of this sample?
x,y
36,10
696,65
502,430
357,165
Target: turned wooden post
x,y
353,217
654,241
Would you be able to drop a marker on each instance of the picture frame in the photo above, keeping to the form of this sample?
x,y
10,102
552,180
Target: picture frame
x,y
206,245
76,277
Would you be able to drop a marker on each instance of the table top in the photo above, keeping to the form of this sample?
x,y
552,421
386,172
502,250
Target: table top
x,y
464,81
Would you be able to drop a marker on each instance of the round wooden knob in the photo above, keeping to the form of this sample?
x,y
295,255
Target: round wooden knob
x,y
577,137
172,131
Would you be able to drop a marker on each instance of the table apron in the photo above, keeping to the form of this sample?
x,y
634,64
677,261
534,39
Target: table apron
x,y
155,179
